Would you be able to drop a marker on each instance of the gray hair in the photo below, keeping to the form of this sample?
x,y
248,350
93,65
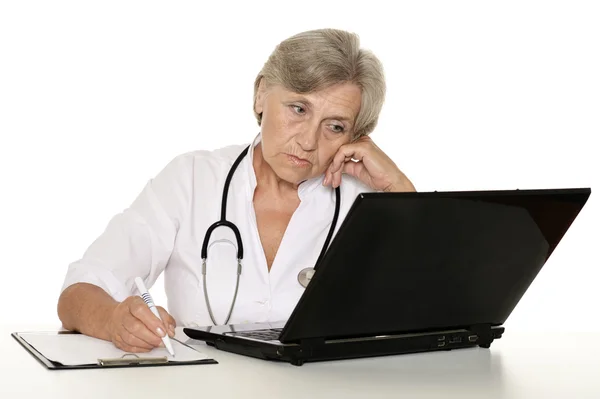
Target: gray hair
x,y
316,59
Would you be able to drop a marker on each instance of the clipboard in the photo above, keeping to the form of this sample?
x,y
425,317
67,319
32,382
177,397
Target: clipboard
x,y
124,361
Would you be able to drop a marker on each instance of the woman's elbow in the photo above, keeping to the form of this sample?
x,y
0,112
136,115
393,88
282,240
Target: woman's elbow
x,y
64,307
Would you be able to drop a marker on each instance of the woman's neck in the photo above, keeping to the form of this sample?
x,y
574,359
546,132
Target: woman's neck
x,y
267,181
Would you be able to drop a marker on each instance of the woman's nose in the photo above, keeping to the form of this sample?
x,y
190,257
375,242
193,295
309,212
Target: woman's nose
x,y
308,137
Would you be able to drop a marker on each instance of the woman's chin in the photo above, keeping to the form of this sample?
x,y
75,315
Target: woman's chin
x,y
294,176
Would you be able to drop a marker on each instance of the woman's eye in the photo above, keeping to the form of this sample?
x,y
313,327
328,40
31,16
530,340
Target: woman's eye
x,y
298,109
337,128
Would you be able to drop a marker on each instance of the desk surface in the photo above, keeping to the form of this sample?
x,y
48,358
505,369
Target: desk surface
x,y
520,365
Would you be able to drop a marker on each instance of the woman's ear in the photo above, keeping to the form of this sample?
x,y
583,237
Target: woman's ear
x,y
260,96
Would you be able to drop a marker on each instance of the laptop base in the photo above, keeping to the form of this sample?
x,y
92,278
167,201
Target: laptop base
x,y
320,350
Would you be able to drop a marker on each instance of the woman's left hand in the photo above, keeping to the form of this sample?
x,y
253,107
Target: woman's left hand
x,y
374,168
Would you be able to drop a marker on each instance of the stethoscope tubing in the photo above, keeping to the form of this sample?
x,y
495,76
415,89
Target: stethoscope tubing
x,y
223,222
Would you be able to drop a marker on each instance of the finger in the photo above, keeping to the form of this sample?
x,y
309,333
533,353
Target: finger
x,y
141,311
121,344
353,169
341,159
343,155
327,179
336,177
138,329
346,153
168,320
133,340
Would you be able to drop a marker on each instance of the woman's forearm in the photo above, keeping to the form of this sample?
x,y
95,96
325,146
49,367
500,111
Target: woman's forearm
x,y
86,308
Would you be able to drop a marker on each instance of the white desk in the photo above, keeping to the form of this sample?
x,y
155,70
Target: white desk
x,y
516,366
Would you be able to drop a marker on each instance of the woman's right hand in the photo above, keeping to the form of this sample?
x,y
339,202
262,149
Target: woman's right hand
x,y
133,327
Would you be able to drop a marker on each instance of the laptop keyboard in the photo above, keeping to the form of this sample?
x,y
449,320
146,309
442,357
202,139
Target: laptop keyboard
x,y
264,335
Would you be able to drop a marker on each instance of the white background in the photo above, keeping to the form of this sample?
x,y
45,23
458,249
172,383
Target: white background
x,y
96,97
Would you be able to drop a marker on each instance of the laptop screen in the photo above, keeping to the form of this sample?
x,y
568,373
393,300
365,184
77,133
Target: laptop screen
x,y
408,262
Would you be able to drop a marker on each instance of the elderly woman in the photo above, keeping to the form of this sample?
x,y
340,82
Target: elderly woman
x,y
316,100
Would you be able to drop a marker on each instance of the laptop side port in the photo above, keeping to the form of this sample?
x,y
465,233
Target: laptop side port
x,y
457,339
473,338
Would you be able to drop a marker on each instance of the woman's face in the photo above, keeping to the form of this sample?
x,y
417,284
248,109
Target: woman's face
x,y
301,133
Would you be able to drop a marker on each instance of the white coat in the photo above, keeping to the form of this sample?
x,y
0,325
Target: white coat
x,y
163,230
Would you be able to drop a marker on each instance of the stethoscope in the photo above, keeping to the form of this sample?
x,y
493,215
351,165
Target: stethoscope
x,y
304,275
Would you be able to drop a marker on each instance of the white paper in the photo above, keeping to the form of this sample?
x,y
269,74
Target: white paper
x,y
79,349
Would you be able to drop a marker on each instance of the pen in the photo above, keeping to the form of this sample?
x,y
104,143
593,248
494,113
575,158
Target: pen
x,y
148,299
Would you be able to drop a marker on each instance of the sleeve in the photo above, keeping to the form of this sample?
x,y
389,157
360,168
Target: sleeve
x,y
139,241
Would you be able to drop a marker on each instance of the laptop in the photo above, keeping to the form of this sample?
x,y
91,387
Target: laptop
x,y
414,272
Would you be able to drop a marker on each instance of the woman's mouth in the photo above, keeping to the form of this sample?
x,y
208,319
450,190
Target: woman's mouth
x,y
299,162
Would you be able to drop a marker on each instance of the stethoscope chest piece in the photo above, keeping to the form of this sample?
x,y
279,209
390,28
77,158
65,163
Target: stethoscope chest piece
x,y
305,276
